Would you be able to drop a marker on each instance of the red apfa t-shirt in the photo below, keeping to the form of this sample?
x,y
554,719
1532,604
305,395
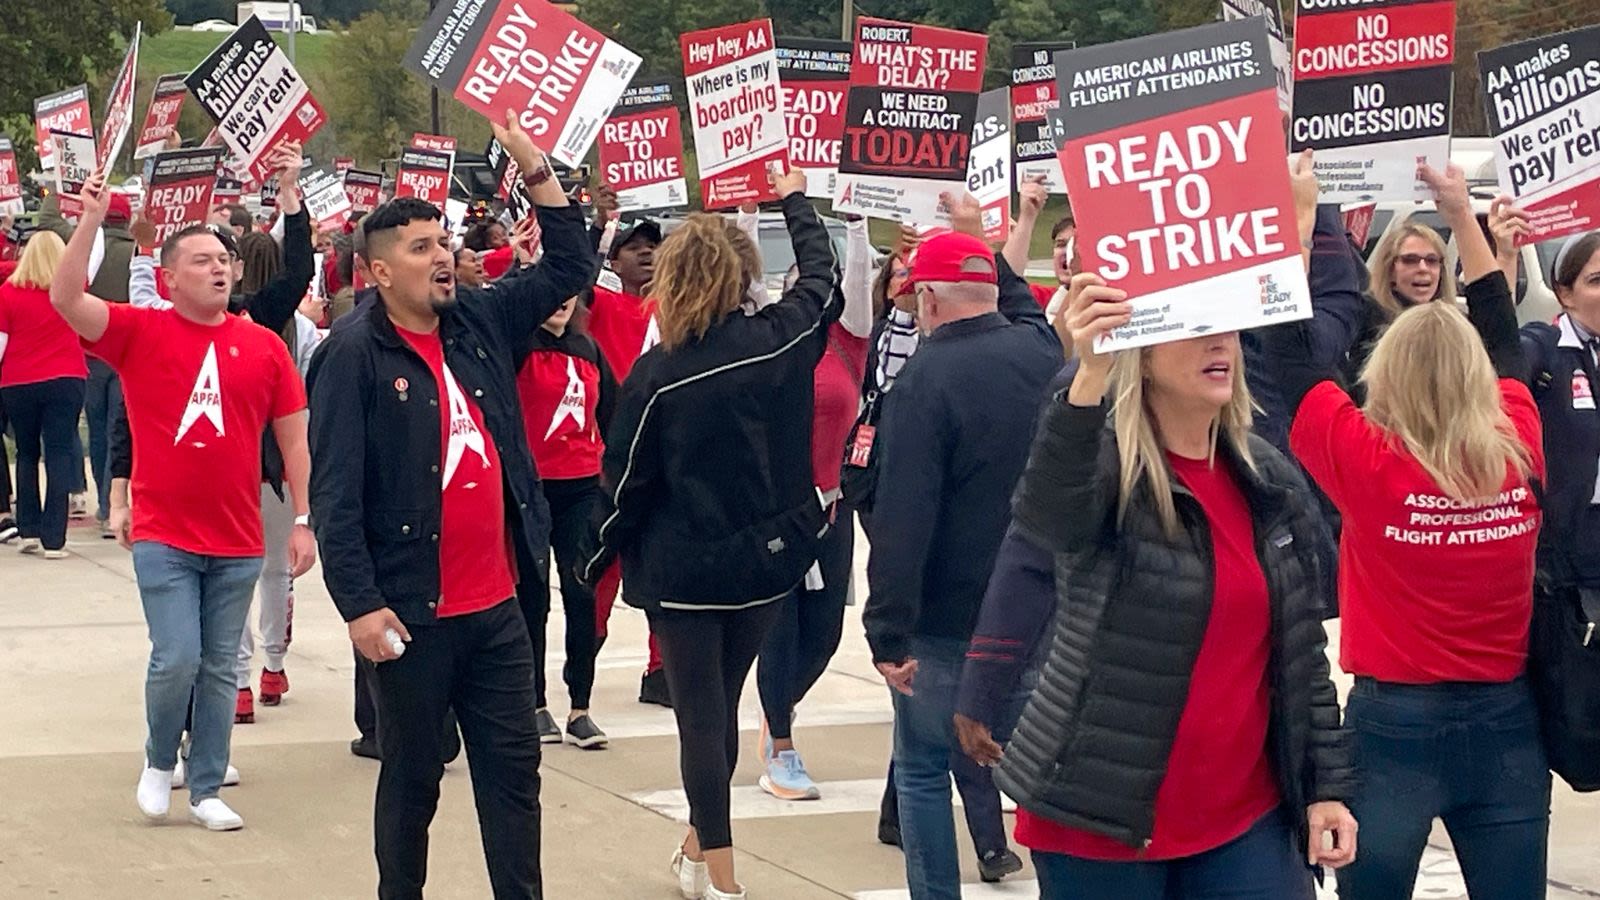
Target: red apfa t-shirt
x,y
559,394
624,326
198,398
836,384
498,261
1431,588
474,555
41,346
1219,781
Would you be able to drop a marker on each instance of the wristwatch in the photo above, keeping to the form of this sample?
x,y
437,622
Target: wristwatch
x,y
536,177
303,520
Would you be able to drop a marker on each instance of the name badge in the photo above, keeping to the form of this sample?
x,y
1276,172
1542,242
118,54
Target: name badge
x,y
861,448
1582,392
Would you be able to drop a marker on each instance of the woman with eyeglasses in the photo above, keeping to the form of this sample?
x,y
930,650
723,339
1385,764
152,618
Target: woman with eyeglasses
x,y
1408,268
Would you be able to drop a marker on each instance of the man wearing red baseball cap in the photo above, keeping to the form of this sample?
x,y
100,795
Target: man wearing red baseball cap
x,y
952,442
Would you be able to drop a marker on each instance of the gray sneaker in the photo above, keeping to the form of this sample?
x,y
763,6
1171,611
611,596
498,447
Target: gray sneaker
x,y
549,732
583,733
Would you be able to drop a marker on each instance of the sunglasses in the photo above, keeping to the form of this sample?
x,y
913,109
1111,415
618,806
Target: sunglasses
x,y
1431,260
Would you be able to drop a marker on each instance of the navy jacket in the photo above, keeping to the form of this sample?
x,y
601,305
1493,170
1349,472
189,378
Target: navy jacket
x,y
375,407
953,440
1569,542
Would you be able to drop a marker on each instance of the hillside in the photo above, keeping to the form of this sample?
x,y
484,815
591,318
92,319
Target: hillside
x,y
180,49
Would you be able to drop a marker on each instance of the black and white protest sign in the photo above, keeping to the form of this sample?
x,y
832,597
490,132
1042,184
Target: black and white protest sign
x,y
1034,109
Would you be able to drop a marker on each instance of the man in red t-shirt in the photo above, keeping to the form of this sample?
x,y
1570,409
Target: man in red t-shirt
x,y
429,512
200,387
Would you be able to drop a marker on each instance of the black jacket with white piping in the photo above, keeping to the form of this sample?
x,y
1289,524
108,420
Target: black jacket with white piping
x,y
708,458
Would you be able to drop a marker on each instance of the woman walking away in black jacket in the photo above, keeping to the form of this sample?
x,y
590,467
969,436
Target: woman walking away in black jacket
x,y
1184,737
709,462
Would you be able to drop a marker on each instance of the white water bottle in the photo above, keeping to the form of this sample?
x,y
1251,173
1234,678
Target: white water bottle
x,y
395,643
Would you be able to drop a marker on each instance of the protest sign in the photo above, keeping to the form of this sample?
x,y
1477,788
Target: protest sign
x,y
180,190
1173,155
363,189
509,176
343,164
269,193
161,120
1357,220
909,119
75,162
119,107
641,149
1233,10
737,108
322,194
815,75
424,174
560,75
439,143
989,169
10,181
228,189
259,102
1034,109
1543,100
66,111
1372,94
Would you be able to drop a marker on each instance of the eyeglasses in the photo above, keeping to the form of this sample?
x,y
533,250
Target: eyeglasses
x,y
1431,260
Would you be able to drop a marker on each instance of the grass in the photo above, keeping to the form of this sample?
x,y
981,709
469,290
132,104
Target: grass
x,y
180,50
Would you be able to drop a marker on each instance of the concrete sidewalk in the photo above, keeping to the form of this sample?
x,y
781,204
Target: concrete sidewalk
x,y
72,652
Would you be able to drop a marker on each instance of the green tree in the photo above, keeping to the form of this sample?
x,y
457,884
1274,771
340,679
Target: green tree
x,y
374,105
42,55
651,28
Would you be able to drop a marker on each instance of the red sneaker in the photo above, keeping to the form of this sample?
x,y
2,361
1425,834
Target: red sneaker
x,y
273,686
244,711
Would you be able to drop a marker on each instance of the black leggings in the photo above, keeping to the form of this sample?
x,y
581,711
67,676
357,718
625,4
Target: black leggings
x,y
807,631
573,535
706,656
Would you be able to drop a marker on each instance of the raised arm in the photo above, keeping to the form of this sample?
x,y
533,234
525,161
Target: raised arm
x,y
815,288
1033,195
86,313
856,280
1489,302
273,306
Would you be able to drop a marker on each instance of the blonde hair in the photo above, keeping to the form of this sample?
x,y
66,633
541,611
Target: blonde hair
x,y
699,278
37,268
1430,385
1139,450
749,256
1380,267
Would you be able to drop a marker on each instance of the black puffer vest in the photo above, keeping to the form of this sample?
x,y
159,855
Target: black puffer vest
x,y
1092,746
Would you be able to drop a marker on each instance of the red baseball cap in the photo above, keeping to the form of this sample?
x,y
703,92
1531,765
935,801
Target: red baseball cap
x,y
951,256
119,208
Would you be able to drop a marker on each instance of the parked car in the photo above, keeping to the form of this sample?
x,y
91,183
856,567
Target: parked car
x,y
213,25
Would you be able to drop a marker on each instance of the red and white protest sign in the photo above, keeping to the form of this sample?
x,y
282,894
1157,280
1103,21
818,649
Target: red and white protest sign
x,y
439,143
1358,221
75,162
161,120
989,168
66,111
227,189
1173,155
119,106
322,194
10,181
560,76
1543,101
908,122
641,150
737,108
424,174
1034,106
181,189
364,190
815,74
259,102
343,164
1372,88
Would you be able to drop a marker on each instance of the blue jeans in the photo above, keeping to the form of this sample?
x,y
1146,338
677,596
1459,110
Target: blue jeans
x,y
1264,863
924,738
195,607
1469,754
102,396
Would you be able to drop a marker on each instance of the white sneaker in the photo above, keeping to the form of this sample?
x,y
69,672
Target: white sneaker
x,y
713,894
30,546
694,879
155,793
215,815
55,554
180,776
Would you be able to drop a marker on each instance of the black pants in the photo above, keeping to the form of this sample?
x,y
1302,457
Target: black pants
x,y
573,535
706,655
806,633
44,413
100,404
482,665
5,461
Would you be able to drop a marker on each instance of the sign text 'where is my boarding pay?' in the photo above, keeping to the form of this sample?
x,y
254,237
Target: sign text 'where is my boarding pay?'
x,y
740,133
1372,92
1543,100
909,119
1174,157
258,101
641,149
557,74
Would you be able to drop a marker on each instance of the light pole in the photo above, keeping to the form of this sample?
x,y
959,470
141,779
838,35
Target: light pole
x,y
294,25
844,20
433,92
